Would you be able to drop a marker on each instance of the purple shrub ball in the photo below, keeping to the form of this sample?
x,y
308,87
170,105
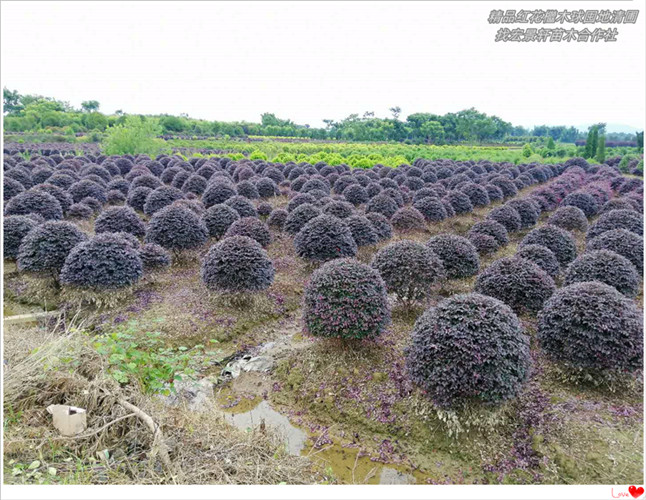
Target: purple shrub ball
x,y
346,299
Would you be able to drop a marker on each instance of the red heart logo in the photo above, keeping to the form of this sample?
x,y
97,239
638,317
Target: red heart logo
x,y
636,492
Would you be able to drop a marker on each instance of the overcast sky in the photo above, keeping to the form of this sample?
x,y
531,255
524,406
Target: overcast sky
x,y
309,61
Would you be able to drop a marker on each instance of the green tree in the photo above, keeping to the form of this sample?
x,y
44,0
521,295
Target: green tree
x,y
171,124
432,132
601,149
137,135
527,151
551,145
591,142
639,137
11,101
90,106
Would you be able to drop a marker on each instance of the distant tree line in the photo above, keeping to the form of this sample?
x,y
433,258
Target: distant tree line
x,y
33,113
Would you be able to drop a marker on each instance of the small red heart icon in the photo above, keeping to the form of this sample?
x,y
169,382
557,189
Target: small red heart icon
x,y
636,492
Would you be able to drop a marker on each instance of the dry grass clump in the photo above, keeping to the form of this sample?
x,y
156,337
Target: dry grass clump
x,y
119,445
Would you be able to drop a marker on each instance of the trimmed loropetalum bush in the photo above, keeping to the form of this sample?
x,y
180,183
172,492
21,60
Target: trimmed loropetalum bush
x,y
408,219
617,219
325,238
542,256
590,326
63,198
607,267
242,205
161,197
237,264
277,219
119,219
432,209
11,188
137,197
519,283
251,227
176,228
346,299
409,269
87,188
217,192
484,243
45,248
106,262
528,209
458,255
34,202
381,226
558,240
507,216
382,204
582,200
469,349
340,209
493,229
300,216
154,257
460,202
16,227
624,243
362,230
569,218
218,218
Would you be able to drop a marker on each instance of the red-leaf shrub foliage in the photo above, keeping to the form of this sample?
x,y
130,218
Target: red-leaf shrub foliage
x,y
507,216
607,267
362,230
346,299
491,228
218,218
118,219
570,218
591,326
242,205
277,219
469,349
542,256
381,225
160,198
519,283
325,238
34,202
15,227
154,257
528,209
582,200
458,255
300,216
408,219
382,204
409,269
617,219
107,261
237,264
176,228
84,188
558,240
623,242
253,228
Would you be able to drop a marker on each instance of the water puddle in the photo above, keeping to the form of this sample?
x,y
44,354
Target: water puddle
x,y
294,437
345,464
